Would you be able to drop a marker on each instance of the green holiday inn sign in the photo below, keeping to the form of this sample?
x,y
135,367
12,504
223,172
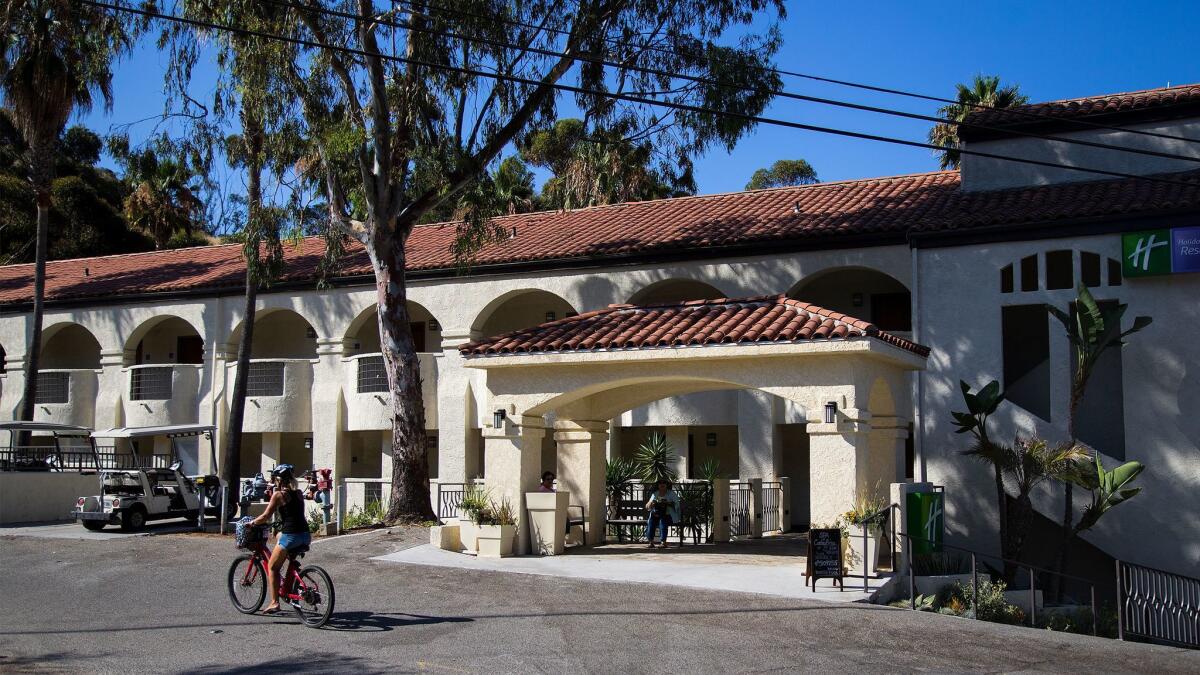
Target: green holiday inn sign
x,y
1157,252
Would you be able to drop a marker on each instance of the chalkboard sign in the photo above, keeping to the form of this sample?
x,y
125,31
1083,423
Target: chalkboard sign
x,y
825,555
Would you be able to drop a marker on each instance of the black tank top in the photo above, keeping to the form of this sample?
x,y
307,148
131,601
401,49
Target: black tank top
x,y
291,513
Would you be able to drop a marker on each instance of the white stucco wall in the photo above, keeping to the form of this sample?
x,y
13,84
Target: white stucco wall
x,y
959,316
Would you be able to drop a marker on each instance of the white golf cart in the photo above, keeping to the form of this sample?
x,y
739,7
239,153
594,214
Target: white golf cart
x,y
136,488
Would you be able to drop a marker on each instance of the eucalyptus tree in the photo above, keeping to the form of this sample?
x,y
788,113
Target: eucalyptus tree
x,y
408,105
56,57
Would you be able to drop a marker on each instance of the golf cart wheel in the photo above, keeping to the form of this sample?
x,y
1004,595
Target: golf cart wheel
x,y
247,585
133,519
316,599
93,525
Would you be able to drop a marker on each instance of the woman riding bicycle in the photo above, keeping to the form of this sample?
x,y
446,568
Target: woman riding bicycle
x,y
288,501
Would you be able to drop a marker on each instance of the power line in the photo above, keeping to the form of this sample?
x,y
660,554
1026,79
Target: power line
x,y
727,85
627,97
418,8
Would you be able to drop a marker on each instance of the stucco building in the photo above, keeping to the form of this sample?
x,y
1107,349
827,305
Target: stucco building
x,y
960,262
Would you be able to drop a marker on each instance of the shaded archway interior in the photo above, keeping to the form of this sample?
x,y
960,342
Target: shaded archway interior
x,y
279,334
69,347
859,292
362,337
520,310
165,339
675,290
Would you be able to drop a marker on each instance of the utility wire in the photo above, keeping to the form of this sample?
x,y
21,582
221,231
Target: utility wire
x,y
731,86
627,97
419,7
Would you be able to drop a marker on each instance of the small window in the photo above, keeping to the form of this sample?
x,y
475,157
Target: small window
x,y
1114,272
1025,332
1089,269
1060,270
1006,279
1029,273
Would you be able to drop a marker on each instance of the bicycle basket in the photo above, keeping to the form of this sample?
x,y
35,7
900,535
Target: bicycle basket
x,y
246,535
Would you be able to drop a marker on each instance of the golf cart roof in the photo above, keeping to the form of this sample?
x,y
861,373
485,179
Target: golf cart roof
x,y
142,432
59,429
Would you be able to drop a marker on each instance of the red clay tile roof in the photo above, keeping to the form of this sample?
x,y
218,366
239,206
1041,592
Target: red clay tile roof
x,y
839,213
1089,106
760,320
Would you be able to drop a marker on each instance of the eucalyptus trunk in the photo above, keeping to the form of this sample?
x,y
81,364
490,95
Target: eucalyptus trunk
x,y
409,500
42,175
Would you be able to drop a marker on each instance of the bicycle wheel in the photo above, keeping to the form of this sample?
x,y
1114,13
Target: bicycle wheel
x,y
247,584
315,605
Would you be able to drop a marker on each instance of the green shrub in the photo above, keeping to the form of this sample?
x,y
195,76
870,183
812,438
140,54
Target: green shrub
x,y
368,516
1079,621
314,520
992,605
940,564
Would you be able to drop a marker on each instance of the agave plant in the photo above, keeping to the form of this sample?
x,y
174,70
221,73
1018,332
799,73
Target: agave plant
x,y
655,459
709,469
617,473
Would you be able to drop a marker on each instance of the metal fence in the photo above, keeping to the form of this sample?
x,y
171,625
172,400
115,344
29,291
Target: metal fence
x,y
372,375
75,458
450,496
1157,605
265,379
150,384
772,494
53,388
739,510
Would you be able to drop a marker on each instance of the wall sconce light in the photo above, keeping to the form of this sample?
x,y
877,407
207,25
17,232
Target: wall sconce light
x,y
856,299
498,418
710,439
308,444
831,412
311,332
434,326
550,316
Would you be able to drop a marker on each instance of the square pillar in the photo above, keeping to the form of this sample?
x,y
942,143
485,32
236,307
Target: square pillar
x,y
760,449
271,442
581,450
720,527
458,454
756,508
513,454
839,455
330,441
888,435
785,504
678,438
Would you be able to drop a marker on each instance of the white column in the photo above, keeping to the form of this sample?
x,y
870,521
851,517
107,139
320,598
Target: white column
x,y
785,503
271,442
111,390
455,461
886,465
678,438
756,508
514,456
838,458
330,440
14,385
581,448
760,451
720,527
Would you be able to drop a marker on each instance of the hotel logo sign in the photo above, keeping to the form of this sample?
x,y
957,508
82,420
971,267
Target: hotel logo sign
x,y
1157,252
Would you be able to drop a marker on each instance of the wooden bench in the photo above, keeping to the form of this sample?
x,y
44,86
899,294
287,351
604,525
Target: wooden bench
x,y
628,513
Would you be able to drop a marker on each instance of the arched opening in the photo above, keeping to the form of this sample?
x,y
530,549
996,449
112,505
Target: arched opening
x,y
859,292
165,339
280,334
521,309
69,347
362,337
675,290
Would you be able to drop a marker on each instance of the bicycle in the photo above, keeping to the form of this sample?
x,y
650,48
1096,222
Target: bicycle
x,y
308,589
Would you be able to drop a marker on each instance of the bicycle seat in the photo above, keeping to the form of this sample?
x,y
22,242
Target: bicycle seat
x,y
298,551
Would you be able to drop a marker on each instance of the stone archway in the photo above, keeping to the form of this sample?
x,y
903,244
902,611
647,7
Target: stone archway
x,y
587,372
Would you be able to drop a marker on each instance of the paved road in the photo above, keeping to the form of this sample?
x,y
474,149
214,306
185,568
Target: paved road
x,y
158,604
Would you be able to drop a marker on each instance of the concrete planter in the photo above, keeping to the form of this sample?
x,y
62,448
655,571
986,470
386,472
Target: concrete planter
x,y
856,554
930,585
445,537
468,533
547,521
496,541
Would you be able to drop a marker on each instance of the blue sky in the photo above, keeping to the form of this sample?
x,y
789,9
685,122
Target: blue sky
x,y
1052,48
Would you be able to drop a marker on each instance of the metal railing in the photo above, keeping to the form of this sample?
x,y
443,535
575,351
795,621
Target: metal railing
x,y
772,495
150,384
265,379
740,524
1157,605
53,388
372,375
449,497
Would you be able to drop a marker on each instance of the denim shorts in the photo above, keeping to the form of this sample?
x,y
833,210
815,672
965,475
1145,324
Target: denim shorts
x,y
291,541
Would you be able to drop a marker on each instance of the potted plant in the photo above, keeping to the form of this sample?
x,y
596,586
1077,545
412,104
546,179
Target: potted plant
x,y
497,529
474,501
866,516
934,571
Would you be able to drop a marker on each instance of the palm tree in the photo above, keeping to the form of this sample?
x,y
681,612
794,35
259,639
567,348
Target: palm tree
x,y
163,200
984,92
513,183
55,57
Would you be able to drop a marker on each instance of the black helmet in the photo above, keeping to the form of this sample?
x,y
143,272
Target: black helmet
x,y
282,471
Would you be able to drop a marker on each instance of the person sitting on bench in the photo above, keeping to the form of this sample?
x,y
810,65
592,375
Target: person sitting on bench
x,y
663,507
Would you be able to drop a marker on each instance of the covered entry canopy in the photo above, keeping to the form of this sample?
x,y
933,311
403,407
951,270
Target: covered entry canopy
x,y
589,368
